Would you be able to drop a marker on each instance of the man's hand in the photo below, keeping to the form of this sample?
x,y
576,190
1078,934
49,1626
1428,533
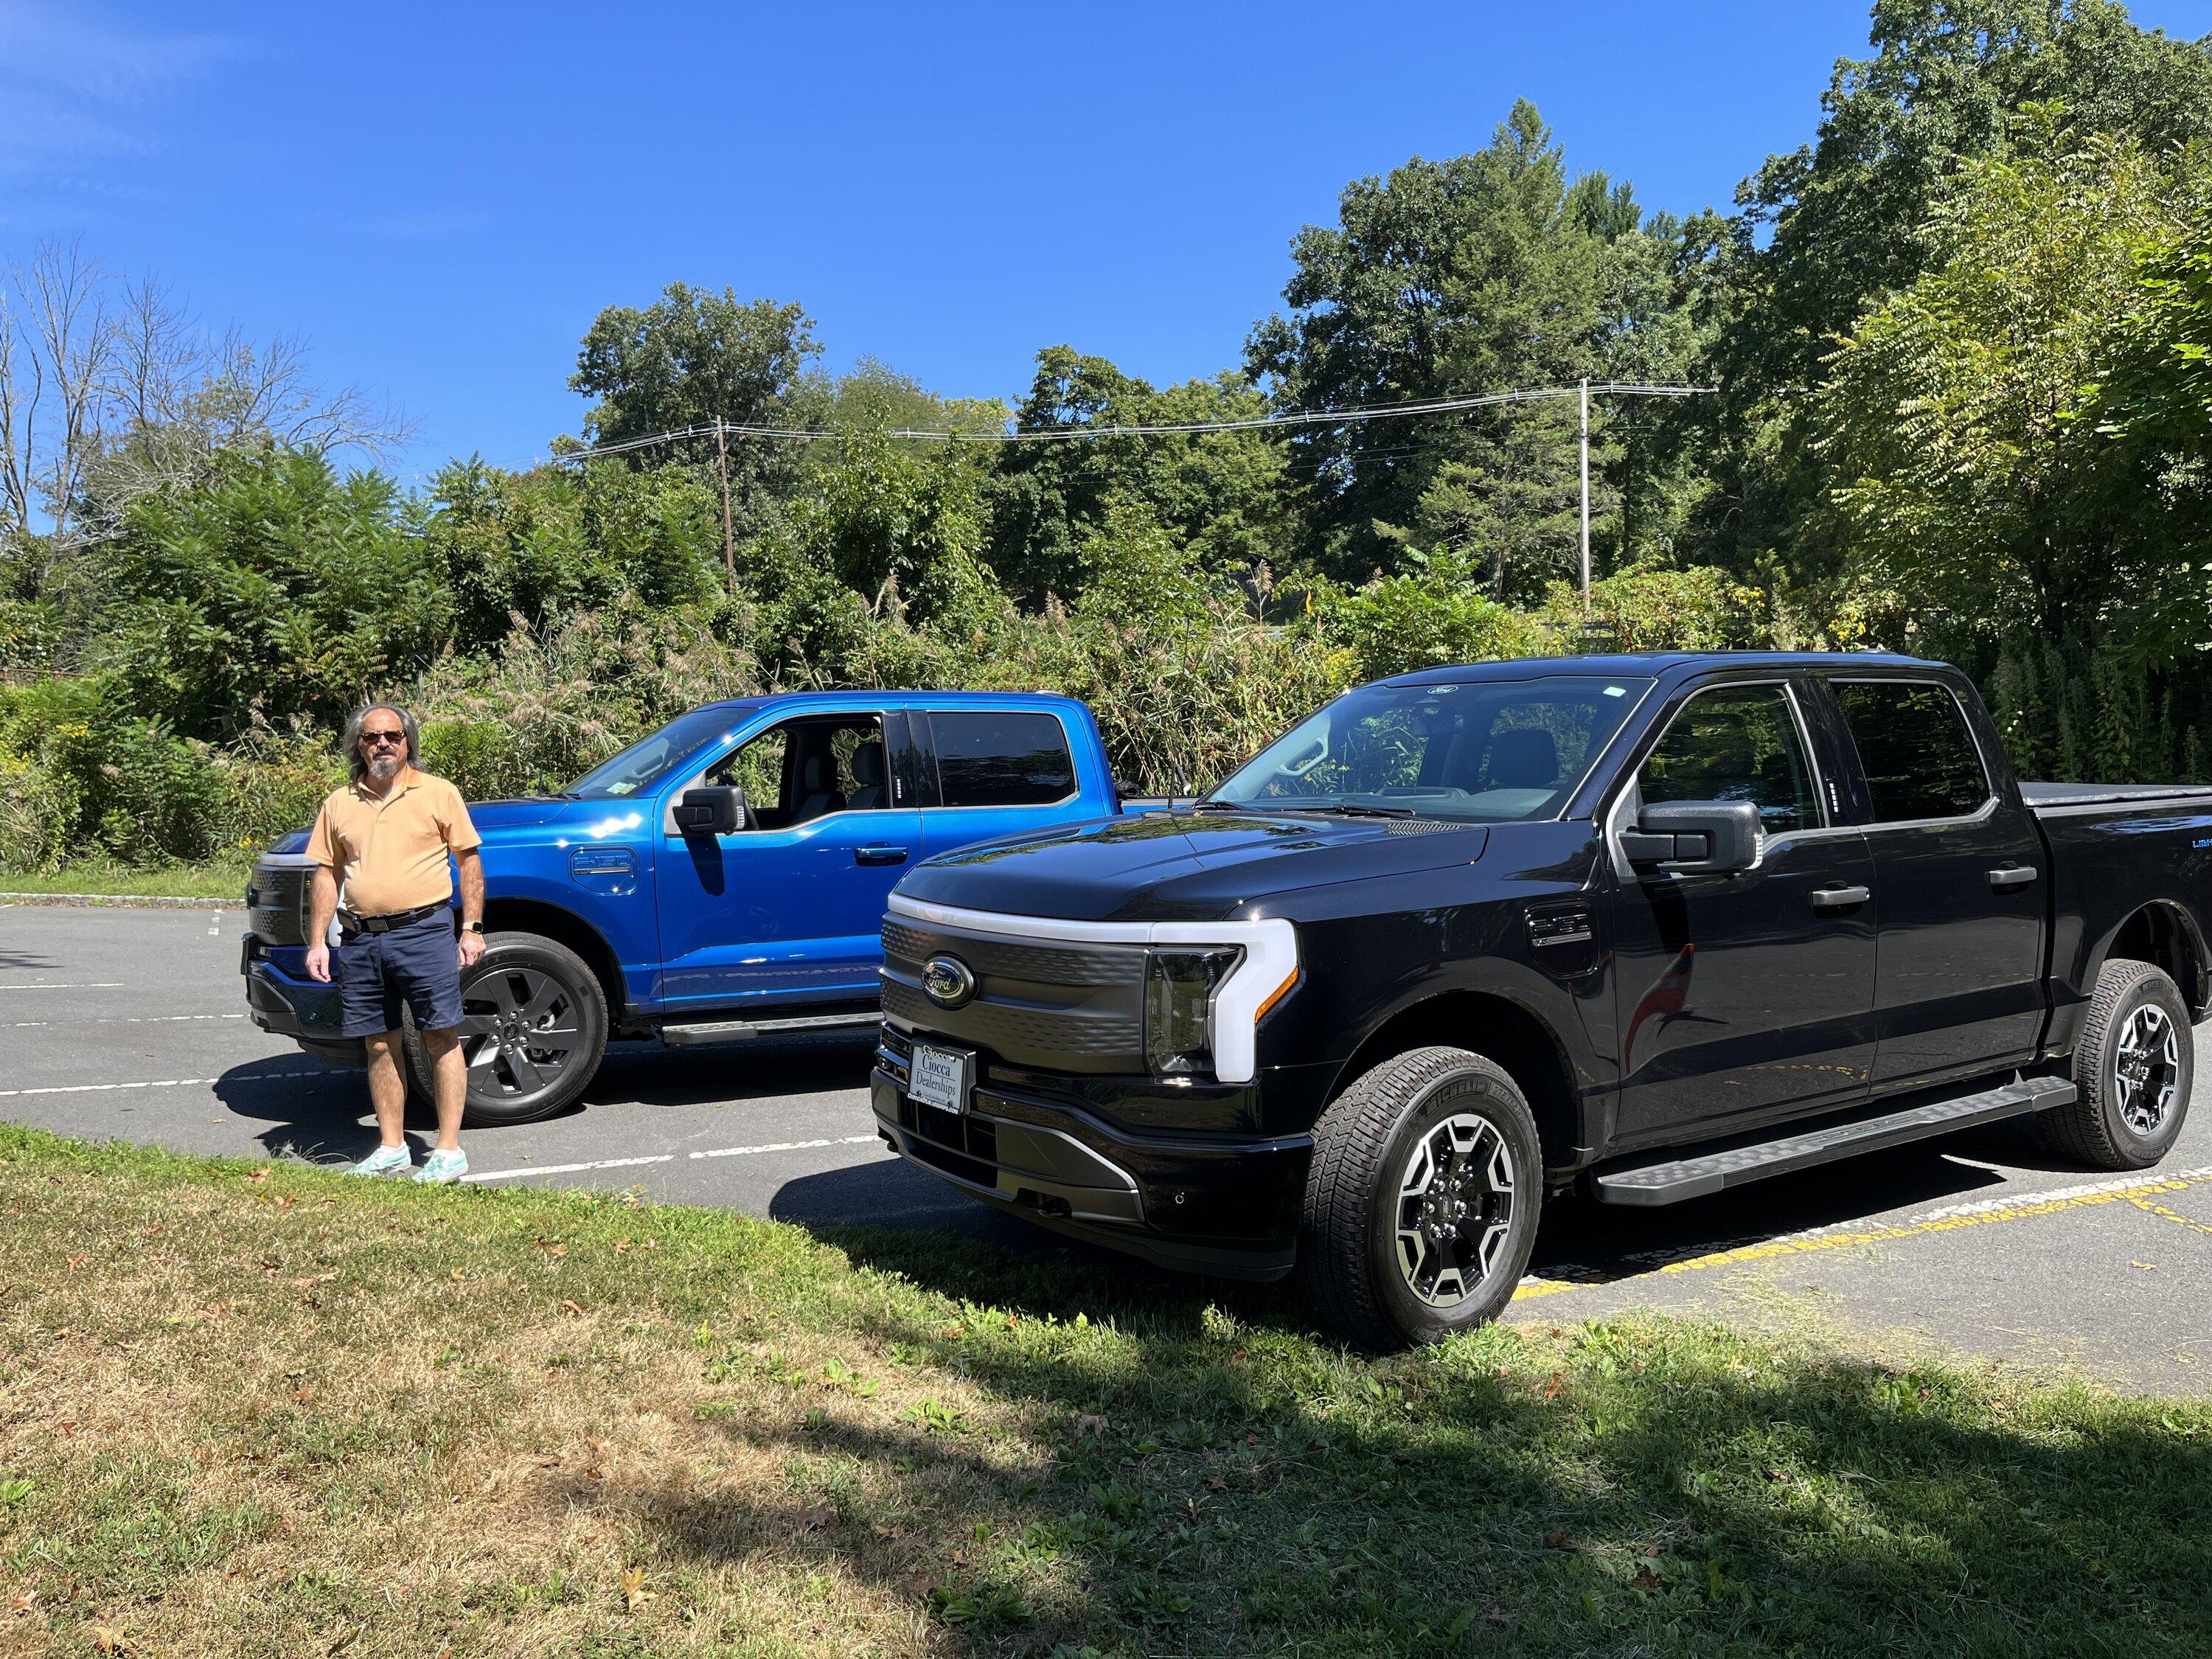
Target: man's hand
x,y
318,963
472,948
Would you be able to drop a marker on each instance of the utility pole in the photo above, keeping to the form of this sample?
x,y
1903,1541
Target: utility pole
x,y
1585,432
730,552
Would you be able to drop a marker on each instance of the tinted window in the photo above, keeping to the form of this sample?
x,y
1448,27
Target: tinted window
x,y
1919,758
1736,743
1002,760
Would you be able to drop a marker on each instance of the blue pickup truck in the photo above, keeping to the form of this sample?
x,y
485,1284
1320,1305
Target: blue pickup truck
x,y
723,879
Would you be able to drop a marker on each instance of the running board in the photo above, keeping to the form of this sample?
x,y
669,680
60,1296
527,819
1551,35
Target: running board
x,y
736,1031
1676,1179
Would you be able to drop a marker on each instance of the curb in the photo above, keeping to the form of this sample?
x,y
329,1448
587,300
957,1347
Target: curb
x,y
128,900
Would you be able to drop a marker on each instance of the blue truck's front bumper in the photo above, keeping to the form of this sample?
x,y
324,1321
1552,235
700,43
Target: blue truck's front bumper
x,y
284,1002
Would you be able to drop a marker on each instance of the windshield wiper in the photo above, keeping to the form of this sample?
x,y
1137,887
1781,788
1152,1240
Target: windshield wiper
x,y
1346,809
1211,805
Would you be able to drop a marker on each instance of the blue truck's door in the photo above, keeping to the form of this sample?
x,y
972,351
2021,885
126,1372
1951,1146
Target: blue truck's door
x,y
791,908
996,772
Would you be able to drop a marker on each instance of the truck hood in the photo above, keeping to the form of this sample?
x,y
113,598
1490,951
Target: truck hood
x,y
1182,866
488,815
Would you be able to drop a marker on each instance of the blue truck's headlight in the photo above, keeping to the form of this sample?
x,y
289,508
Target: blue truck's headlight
x,y
1179,991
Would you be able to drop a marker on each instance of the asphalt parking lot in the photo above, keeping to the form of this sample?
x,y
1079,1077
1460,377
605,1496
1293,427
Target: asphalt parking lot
x,y
125,1022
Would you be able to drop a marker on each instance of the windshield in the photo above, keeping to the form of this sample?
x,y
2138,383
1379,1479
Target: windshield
x,y
649,760
1486,752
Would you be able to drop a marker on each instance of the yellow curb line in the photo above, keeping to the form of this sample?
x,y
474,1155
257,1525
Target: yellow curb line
x,y
1782,1247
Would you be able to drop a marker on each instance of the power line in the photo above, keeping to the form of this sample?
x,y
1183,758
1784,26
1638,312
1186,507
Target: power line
x,y
722,430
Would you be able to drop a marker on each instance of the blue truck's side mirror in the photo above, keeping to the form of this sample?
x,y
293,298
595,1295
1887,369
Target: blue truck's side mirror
x,y
711,809
1694,837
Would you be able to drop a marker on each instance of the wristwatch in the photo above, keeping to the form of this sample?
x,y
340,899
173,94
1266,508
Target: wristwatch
x,y
473,927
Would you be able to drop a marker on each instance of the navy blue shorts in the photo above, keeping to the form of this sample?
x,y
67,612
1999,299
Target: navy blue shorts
x,y
417,967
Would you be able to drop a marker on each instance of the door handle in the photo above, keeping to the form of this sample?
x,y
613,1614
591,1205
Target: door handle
x,y
2013,875
1840,898
880,853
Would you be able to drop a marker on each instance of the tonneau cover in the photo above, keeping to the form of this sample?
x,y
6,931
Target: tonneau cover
x,y
2040,795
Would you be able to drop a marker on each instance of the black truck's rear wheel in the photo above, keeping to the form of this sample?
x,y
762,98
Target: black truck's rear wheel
x,y
533,1027
1421,1202
2134,1064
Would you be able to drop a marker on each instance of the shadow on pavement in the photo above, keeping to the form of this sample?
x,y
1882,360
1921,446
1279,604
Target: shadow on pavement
x,y
321,1117
646,1073
894,1216
24,959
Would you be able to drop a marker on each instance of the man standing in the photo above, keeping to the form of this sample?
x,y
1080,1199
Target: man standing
x,y
385,837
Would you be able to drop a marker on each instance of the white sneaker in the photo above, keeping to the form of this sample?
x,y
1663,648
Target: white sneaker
x,y
383,1161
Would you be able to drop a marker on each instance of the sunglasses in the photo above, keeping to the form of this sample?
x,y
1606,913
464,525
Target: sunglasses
x,y
384,737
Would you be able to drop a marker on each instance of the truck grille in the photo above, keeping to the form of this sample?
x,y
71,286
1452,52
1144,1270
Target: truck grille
x,y
276,898
1072,1007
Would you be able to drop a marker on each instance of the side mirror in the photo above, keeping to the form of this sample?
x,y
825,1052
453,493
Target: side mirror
x,y
1693,838
713,810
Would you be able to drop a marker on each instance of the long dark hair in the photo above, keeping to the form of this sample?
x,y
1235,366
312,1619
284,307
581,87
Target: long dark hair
x,y
351,742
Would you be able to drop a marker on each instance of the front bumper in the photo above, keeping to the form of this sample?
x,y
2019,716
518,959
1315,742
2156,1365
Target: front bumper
x,y
284,1002
1227,1206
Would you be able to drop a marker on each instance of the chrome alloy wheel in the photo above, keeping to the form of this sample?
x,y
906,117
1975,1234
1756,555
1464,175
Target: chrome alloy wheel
x,y
1455,1208
519,1033
2147,1068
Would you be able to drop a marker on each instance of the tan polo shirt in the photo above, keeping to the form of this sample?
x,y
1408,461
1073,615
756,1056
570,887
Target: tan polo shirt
x,y
389,852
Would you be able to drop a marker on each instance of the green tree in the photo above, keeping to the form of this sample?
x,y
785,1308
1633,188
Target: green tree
x,y
1483,273
275,588
1963,477
1225,496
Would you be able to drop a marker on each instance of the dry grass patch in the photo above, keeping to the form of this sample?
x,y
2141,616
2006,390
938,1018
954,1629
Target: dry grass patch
x,y
258,1410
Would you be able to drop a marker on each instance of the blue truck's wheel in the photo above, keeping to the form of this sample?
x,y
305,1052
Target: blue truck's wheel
x,y
2134,1064
533,1027
1421,1200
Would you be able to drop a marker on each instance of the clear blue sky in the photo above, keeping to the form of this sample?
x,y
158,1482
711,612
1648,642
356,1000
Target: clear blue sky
x,y
440,198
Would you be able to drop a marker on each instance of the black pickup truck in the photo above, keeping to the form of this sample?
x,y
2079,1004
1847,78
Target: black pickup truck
x,y
1652,925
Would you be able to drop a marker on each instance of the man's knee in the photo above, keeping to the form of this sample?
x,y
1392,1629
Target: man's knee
x,y
381,1045
438,1044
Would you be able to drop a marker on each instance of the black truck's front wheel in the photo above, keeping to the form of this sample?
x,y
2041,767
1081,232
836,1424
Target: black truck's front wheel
x,y
2134,1064
533,1027
1422,1200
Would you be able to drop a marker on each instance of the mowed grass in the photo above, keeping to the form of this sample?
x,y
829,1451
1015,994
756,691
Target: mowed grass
x,y
254,1409
222,879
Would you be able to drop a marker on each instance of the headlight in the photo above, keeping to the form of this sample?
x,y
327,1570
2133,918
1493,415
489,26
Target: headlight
x,y
1179,990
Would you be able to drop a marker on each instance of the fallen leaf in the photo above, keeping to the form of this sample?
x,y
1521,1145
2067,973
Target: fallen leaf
x,y
1557,1538
314,1278
1090,1423
634,1594
260,1175
570,1307
920,1581
890,1532
22,1603
1551,1388
1655,1549
816,1515
344,1642
457,1275
301,1396
2148,1266
1645,1579
108,1639
1217,1483
1500,1618
75,1262
621,1247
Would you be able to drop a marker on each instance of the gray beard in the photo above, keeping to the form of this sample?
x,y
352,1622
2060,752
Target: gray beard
x,y
384,766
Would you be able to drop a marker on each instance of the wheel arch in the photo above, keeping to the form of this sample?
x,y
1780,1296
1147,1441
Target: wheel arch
x,y
1500,1029
2164,933
522,915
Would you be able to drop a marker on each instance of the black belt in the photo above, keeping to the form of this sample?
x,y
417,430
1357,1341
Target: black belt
x,y
385,923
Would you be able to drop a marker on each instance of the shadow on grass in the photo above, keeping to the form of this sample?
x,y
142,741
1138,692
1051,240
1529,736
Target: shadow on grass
x,y
1215,1483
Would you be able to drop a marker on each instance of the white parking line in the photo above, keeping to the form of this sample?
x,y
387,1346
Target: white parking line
x,y
96,984
122,1019
665,1157
165,1083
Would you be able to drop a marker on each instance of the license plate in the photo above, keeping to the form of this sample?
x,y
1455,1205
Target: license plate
x,y
939,1077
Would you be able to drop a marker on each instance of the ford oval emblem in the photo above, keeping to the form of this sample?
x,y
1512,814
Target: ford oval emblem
x,y
948,982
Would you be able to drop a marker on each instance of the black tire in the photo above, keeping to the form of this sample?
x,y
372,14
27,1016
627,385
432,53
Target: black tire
x,y
533,1027
1359,1202
2135,1051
